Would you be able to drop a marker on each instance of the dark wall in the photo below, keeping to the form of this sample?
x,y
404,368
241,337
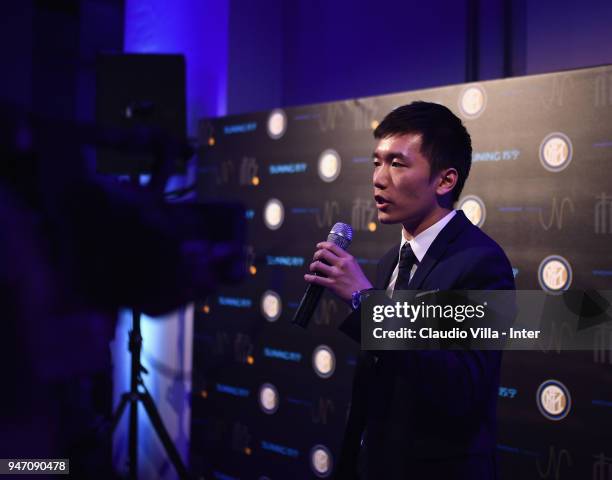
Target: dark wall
x,y
565,34
336,50
341,49
255,55
16,24
301,52
48,50
55,58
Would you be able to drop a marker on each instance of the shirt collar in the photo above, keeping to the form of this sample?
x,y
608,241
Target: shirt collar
x,y
421,243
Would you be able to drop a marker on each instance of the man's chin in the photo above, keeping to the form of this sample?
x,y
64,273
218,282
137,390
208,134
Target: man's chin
x,y
386,219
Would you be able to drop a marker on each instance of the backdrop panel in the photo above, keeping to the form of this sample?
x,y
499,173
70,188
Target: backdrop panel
x,y
270,400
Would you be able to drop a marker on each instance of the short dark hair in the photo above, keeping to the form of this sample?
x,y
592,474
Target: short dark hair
x,y
445,142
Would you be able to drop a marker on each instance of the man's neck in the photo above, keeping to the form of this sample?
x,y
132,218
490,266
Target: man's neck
x,y
412,230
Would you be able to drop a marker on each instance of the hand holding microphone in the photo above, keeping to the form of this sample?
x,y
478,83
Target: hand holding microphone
x,y
333,268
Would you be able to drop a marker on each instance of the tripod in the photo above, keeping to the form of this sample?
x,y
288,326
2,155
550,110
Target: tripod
x,y
139,393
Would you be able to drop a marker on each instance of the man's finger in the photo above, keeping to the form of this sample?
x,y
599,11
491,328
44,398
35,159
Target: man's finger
x,y
317,280
321,268
334,248
326,255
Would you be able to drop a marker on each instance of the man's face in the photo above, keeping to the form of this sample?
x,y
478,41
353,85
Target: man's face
x,y
402,189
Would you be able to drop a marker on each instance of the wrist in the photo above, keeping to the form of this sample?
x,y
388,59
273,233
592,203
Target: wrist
x,y
357,296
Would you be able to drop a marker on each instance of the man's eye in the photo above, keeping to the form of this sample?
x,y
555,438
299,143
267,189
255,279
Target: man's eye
x,y
376,164
397,164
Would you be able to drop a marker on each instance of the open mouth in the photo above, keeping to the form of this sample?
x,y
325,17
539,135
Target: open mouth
x,y
381,201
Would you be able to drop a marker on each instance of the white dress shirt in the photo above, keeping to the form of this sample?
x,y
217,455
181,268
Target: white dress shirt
x,y
419,244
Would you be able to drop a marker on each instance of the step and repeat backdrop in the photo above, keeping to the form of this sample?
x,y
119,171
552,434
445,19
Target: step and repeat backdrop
x,y
270,399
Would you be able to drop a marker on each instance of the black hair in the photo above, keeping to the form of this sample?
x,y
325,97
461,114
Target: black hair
x,y
445,142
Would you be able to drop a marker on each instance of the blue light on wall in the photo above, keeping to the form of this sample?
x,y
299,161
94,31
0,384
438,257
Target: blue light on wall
x,y
197,29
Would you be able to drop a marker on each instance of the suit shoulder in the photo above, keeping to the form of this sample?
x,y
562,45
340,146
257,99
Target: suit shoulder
x,y
473,238
486,265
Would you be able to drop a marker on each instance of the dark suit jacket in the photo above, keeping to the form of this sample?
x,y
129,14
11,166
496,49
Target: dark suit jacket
x,y
429,414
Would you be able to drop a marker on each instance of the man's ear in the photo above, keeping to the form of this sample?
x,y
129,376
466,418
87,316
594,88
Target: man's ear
x,y
446,179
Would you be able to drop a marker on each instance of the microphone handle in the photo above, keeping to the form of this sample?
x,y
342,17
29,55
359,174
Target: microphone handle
x,y
308,305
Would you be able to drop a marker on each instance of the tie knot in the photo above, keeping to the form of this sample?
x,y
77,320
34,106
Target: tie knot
x,y
407,257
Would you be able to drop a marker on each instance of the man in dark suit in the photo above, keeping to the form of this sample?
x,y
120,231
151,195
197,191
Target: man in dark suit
x,y
420,414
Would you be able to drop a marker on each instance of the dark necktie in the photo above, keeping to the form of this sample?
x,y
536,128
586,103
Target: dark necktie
x,y
406,262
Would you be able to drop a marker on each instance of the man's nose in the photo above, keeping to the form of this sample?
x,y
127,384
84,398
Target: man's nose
x,y
381,177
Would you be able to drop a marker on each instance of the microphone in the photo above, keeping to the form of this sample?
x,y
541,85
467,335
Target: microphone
x,y
341,234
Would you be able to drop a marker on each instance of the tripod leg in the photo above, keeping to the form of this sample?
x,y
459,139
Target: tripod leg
x,y
125,398
133,439
158,426
135,347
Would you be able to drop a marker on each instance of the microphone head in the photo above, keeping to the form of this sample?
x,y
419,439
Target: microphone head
x,y
341,234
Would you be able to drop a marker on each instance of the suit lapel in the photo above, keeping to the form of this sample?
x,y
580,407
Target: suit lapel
x,y
385,267
437,249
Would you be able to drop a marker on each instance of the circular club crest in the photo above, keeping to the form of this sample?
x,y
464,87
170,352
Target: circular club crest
x,y
553,399
271,305
556,152
329,165
274,214
474,209
268,398
472,101
277,124
321,461
323,361
555,274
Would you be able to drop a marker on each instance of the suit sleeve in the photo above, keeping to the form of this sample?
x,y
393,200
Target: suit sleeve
x,y
351,325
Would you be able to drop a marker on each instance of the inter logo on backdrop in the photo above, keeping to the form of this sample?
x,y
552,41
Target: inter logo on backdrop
x,y
321,461
277,124
323,361
556,152
271,305
555,274
474,209
553,399
274,214
472,101
268,398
